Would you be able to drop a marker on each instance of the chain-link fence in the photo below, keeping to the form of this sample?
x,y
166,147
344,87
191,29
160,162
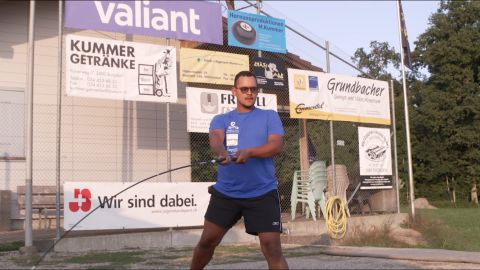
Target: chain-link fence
x,y
126,141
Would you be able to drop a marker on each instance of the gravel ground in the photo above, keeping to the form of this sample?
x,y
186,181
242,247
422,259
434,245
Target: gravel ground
x,y
301,253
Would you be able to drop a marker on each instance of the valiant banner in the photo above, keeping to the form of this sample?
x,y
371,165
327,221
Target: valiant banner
x,y
186,20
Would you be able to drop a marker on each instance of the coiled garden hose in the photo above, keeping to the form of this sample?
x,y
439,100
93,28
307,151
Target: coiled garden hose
x,y
336,218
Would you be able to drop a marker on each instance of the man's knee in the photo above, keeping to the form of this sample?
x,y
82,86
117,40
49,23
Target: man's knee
x,y
208,242
271,249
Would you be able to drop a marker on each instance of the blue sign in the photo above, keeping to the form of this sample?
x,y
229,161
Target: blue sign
x,y
256,32
313,83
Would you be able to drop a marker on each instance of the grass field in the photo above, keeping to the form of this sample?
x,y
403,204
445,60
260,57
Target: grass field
x,y
447,227
450,228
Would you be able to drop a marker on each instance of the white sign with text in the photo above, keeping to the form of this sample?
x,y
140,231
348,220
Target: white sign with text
x,y
326,96
203,104
149,205
375,156
113,69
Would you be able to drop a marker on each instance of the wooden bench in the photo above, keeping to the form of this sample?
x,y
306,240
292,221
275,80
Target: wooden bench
x,y
43,203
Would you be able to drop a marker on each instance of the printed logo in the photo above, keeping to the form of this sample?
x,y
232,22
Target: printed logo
x,y
300,83
376,146
313,83
152,79
269,73
83,202
244,32
209,103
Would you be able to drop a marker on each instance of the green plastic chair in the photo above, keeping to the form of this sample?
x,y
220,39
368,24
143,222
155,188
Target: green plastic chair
x,y
318,182
302,192
308,188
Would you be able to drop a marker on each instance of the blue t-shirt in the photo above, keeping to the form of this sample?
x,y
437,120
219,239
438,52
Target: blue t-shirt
x,y
257,176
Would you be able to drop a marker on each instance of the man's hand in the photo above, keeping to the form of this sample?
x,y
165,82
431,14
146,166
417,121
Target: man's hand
x,y
243,155
223,158
273,146
216,138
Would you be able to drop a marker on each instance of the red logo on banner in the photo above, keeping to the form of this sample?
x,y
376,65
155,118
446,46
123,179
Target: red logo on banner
x,y
83,202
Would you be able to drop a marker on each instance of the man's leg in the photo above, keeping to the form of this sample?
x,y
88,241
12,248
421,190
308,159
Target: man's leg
x,y
272,250
211,236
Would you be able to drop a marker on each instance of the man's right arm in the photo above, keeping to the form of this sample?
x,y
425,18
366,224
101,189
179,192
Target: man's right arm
x,y
216,138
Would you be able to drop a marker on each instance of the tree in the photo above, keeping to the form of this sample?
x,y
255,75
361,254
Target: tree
x,y
446,111
377,61
445,105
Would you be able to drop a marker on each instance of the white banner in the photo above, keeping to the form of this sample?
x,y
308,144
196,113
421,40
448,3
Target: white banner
x,y
317,95
203,104
375,157
112,69
148,205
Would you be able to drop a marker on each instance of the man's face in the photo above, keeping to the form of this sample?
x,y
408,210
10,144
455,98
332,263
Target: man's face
x,y
246,92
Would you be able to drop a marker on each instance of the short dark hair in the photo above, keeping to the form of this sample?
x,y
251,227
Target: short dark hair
x,y
244,73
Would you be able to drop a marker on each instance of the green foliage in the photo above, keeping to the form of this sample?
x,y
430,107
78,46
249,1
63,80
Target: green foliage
x,y
444,107
201,152
381,55
114,258
13,246
287,162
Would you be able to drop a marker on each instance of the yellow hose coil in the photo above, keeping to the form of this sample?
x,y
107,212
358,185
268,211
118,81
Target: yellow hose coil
x,y
336,218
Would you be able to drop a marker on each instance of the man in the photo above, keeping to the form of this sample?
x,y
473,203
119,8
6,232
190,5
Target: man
x,y
245,139
162,67
474,194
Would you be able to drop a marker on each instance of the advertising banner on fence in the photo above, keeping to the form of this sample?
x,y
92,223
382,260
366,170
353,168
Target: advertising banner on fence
x,y
187,20
316,95
256,32
203,104
270,73
111,69
149,205
306,99
375,155
213,67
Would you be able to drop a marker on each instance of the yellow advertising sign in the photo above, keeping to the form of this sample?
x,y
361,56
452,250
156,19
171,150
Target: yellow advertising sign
x,y
202,66
326,96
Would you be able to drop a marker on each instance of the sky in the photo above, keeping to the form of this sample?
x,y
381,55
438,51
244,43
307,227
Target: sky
x,y
347,25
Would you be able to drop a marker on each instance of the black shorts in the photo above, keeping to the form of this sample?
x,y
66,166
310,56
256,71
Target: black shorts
x,y
260,214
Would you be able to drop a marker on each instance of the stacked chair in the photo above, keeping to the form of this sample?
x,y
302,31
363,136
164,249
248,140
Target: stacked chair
x,y
341,184
308,188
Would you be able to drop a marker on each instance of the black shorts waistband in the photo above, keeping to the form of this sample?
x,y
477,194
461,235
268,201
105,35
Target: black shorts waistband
x,y
214,192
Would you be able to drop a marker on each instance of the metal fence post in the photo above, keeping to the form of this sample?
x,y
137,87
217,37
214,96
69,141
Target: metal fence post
x,y
59,118
332,143
395,145
29,135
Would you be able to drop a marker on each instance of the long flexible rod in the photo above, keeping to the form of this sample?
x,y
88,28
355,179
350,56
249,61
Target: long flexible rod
x,y
213,161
